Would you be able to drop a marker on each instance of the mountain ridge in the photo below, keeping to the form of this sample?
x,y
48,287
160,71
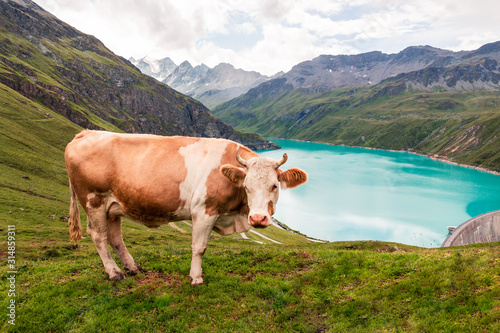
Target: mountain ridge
x,y
331,72
211,86
321,74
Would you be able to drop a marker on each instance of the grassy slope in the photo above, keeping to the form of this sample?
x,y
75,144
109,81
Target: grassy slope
x,y
32,142
297,286
425,122
350,286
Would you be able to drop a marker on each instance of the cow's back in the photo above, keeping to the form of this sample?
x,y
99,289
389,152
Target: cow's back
x,y
152,177
103,161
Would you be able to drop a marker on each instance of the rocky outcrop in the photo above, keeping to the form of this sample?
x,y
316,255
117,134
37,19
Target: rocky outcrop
x,y
482,75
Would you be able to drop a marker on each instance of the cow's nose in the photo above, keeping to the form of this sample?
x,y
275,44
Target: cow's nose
x,y
258,221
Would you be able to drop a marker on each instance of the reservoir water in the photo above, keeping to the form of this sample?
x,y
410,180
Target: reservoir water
x,y
365,194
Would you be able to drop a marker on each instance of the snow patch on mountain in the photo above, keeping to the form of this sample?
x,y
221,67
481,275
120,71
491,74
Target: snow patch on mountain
x,y
211,86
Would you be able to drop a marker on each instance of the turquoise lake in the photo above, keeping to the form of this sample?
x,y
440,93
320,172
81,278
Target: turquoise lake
x,y
365,194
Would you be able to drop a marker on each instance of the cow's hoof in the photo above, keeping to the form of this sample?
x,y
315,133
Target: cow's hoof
x,y
137,270
116,275
197,282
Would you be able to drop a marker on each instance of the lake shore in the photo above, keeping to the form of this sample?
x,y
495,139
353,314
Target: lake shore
x,y
435,157
355,193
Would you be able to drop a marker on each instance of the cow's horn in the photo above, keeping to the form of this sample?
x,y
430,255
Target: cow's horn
x,y
240,159
282,161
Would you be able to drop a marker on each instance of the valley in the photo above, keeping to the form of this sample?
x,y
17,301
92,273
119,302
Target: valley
x,y
447,110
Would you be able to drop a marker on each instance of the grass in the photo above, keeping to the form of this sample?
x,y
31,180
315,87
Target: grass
x,y
297,286
335,287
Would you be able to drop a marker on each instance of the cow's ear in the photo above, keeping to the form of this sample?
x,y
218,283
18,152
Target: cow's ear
x,y
291,178
234,174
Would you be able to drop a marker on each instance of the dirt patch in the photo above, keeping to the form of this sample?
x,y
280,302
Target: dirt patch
x,y
466,141
157,279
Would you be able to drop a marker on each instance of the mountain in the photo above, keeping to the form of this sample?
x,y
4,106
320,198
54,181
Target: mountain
x,y
427,100
57,66
326,73
185,76
211,86
159,69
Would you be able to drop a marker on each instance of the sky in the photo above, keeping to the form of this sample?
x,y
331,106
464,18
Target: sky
x,y
270,36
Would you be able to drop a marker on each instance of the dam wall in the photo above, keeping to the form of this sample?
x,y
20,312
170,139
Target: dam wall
x,y
484,228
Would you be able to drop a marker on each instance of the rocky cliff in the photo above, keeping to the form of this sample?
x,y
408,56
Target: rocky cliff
x,y
75,74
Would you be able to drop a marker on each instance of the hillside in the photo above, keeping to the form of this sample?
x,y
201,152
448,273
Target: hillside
x,y
74,74
250,285
445,111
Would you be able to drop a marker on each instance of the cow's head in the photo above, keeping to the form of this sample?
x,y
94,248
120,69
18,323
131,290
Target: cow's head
x,y
260,178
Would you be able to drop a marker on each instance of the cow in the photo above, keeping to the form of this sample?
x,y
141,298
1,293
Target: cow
x,y
218,184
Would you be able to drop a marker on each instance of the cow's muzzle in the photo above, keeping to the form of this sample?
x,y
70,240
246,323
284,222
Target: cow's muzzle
x,y
259,221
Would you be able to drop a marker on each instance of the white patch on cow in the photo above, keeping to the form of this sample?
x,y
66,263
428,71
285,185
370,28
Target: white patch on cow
x,y
231,223
201,158
259,181
105,133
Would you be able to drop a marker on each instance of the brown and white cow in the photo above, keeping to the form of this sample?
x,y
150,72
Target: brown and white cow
x,y
218,184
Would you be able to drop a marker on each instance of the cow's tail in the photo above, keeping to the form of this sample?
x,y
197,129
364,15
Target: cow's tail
x,y
75,227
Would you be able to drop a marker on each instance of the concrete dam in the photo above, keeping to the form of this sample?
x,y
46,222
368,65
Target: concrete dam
x,y
484,228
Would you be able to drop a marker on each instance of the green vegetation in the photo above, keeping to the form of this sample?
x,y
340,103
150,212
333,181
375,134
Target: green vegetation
x,y
32,143
337,287
295,286
459,126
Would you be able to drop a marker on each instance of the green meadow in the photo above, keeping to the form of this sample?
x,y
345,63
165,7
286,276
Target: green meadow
x,y
250,286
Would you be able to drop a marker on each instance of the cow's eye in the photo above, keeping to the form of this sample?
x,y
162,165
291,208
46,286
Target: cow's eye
x,y
275,187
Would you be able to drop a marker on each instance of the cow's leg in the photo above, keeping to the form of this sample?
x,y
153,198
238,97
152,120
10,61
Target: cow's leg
x,y
116,241
97,228
202,227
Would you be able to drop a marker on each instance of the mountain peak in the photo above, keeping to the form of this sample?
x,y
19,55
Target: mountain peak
x,y
185,64
210,85
422,52
159,69
490,49
224,65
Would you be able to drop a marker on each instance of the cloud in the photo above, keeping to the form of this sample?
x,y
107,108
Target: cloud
x,y
273,35
275,10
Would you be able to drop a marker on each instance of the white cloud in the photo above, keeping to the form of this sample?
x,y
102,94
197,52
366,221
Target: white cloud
x,y
274,35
